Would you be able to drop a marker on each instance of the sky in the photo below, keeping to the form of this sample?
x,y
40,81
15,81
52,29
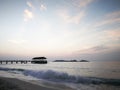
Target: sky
x,y
60,29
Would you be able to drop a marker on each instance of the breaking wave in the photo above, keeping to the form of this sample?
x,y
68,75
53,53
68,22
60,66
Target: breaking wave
x,y
10,69
55,76
61,77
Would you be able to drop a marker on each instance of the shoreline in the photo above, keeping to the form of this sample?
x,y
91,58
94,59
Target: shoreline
x,y
16,84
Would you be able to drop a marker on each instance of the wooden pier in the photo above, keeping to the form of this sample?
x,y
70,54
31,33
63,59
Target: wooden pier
x,y
14,61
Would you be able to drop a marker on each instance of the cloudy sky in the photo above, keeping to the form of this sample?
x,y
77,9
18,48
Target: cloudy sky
x,y
60,29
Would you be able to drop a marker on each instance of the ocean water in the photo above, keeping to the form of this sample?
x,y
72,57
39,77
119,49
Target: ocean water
x,y
77,75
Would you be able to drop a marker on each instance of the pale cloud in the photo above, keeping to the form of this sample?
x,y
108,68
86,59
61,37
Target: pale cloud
x,y
113,14
80,3
28,15
71,19
30,5
108,22
20,41
84,3
94,49
111,18
43,7
113,34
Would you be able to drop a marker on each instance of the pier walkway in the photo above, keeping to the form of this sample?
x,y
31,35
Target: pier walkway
x,y
14,61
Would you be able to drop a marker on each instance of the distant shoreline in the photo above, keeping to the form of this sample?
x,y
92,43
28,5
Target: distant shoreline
x,y
71,61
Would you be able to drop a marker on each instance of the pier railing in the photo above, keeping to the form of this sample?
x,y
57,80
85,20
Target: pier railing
x,y
14,61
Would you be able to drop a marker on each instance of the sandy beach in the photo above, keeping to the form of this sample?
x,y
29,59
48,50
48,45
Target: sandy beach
x,y
16,84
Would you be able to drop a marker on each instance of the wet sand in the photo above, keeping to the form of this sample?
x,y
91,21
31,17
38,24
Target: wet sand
x,y
16,84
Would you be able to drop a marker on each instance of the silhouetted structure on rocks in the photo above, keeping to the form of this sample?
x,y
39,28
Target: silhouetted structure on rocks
x,y
39,60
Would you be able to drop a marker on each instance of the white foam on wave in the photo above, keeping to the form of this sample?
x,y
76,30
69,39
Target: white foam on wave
x,y
61,77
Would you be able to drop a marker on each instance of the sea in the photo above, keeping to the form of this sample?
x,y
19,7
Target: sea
x,y
76,75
